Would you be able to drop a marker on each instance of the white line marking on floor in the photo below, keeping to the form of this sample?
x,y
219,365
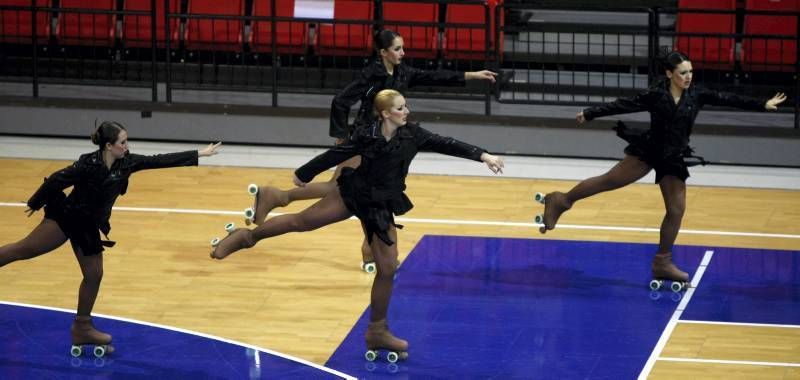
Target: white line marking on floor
x,y
460,222
673,321
739,362
190,332
688,321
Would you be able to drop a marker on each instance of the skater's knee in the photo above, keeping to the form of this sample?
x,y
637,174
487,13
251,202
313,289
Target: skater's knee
x,y
676,211
93,276
386,271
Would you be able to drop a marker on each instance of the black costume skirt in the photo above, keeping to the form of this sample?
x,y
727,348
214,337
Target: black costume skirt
x,y
664,160
374,207
81,230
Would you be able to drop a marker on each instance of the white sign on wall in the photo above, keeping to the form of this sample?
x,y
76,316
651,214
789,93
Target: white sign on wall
x,y
313,8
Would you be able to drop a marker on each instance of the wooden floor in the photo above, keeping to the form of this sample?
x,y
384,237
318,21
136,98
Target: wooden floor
x,y
301,293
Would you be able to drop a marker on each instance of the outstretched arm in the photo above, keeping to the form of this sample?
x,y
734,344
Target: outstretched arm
x,y
638,103
427,140
324,161
170,160
721,98
419,77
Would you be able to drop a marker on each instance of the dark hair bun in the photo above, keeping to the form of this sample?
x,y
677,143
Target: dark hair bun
x,y
383,39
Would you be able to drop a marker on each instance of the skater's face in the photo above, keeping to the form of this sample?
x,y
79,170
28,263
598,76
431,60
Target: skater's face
x,y
119,147
681,76
394,54
398,113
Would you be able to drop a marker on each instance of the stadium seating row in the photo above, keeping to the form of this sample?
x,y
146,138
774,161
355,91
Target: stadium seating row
x,y
757,53
348,33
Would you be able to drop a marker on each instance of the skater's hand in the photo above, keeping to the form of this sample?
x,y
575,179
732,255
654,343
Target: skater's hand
x,y
580,118
210,150
494,163
483,74
772,104
30,212
298,182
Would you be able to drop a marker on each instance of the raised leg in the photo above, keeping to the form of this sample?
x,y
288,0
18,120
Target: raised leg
x,y
328,210
628,170
46,237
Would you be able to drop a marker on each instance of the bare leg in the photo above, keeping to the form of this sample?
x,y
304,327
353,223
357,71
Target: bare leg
x,y
83,331
46,237
328,210
378,334
92,270
270,197
674,192
386,263
628,170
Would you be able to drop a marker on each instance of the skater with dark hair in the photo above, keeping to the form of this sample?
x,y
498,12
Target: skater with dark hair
x,y
373,192
98,178
673,104
386,72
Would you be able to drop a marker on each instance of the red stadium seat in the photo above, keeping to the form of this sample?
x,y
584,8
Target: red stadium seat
x,y
342,38
87,28
215,34
291,36
770,54
707,52
470,43
419,40
136,29
17,26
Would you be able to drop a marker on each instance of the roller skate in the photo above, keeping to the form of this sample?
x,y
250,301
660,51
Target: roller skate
x,y
379,337
84,334
664,269
238,238
555,204
368,260
265,199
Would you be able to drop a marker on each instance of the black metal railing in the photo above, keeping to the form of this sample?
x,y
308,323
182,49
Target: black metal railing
x,y
252,48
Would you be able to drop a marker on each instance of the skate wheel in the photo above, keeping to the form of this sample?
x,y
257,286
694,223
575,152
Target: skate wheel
x,y
656,284
368,267
75,351
230,227
249,213
215,241
99,351
539,219
252,189
371,355
677,286
392,357
539,197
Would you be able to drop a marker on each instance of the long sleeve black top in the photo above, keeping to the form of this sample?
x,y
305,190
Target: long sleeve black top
x,y
671,124
384,164
96,187
375,78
